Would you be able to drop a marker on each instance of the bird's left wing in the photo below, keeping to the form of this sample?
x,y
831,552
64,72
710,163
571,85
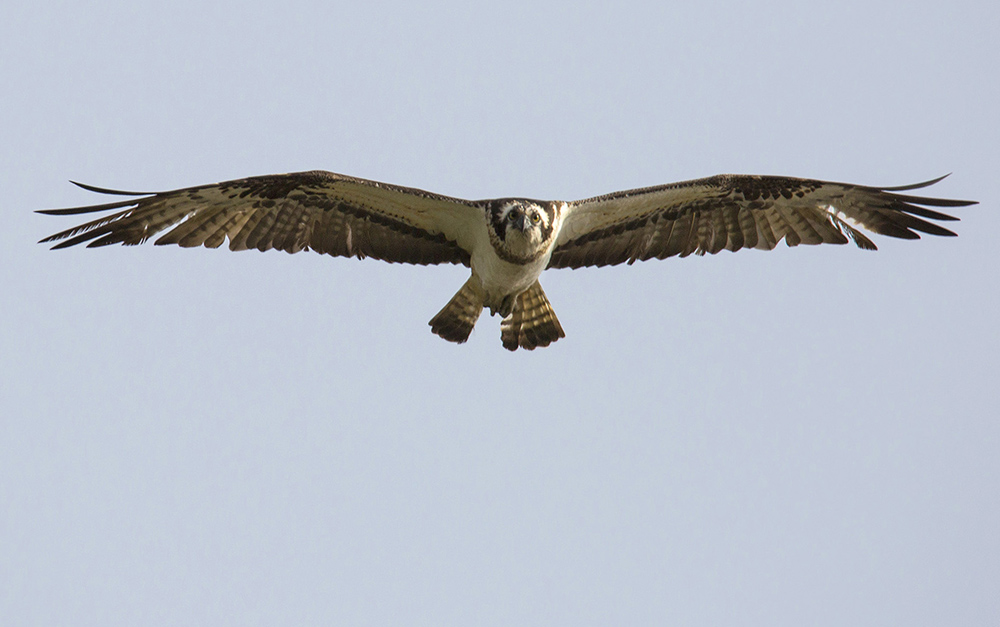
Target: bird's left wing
x,y
321,211
730,212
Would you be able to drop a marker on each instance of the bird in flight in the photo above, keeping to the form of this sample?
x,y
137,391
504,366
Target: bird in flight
x,y
507,242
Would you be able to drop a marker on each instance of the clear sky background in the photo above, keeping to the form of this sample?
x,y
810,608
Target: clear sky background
x,y
808,436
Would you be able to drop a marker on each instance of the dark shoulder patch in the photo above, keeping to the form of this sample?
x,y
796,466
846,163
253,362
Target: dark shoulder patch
x,y
272,186
753,187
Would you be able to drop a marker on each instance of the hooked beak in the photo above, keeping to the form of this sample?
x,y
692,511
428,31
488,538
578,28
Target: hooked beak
x,y
521,222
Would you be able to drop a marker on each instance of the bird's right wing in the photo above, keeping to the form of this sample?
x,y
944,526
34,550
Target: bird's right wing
x,y
321,211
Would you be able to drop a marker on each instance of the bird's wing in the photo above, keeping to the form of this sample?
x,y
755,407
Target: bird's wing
x,y
730,212
321,211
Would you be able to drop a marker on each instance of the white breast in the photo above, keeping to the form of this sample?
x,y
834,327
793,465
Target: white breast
x,y
502,278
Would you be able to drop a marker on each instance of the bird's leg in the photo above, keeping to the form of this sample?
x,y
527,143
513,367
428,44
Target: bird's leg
x,y
506,306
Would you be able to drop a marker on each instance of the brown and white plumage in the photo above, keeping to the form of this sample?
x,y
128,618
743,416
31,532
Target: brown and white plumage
x,y
328,213
730,212
533,323
507,242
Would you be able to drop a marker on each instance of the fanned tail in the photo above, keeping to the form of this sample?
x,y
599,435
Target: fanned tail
x,y
533,323
455,322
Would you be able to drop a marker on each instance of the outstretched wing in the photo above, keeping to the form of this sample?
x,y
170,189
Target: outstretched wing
x,y
730,212
321,211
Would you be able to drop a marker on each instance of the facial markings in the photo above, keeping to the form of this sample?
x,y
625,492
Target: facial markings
x,y
521,229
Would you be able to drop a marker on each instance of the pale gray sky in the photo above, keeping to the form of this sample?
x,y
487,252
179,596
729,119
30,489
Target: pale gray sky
x,y
805,436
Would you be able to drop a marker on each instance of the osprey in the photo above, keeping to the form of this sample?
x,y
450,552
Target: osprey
x,y
507,242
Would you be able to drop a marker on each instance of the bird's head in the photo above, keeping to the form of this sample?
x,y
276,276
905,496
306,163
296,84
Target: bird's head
x,y
522,228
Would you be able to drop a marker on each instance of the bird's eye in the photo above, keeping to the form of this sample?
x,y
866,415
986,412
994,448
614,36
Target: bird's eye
x,y
535,218
513,215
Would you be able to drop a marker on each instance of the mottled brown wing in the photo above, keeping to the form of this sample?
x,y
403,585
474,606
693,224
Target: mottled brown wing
x,y
730,212
321,211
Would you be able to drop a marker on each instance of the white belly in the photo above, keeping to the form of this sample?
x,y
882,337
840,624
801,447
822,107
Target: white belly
x,y
501,278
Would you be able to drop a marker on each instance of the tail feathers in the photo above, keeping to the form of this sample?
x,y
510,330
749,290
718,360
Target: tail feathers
x,y
532,323
455,322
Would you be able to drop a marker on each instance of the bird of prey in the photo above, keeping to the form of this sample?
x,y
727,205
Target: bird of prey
x,y
507,242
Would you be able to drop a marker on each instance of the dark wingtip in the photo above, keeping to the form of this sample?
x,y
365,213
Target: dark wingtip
x,y
903,188
933,202
104,190
92,208
72,211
